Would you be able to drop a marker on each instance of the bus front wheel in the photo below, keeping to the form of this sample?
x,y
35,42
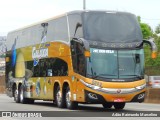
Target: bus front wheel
x,y
16,95
107,105
119,105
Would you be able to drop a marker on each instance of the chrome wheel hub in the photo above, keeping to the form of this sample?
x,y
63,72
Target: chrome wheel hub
x,y
21,95
16,95
68,98
59,97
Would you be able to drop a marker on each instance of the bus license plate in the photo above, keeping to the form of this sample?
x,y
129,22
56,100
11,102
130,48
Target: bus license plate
x,y
119,100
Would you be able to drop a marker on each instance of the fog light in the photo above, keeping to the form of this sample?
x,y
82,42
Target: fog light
x,y
92,96
141,96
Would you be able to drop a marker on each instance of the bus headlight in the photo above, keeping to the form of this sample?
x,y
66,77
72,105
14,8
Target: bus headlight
x,y
114,90
90,85
141,87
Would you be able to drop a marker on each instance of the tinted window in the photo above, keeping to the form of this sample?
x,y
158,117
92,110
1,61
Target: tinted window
x,y
59,68
111,27
58,30
78,58
30,36
73,21
48,67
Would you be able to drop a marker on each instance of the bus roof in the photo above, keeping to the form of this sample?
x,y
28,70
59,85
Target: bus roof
x,y
67,13
33,34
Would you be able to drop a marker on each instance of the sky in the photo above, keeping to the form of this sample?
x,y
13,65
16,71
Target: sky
x,y
15,14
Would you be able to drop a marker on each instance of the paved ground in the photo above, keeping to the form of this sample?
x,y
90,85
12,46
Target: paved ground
x,y
7,104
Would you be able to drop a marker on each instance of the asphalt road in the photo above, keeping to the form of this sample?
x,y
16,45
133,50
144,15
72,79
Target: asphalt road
x,y
84,110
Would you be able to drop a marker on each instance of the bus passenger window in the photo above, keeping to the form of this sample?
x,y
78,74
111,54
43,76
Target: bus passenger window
x,y
81,64
43,68
60,67
36,71
49,73
79,49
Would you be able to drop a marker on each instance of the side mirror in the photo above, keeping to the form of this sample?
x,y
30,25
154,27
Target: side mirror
x,y
77,26
153,47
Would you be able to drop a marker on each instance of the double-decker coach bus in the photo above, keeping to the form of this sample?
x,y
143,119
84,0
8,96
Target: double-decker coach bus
x,y
78,57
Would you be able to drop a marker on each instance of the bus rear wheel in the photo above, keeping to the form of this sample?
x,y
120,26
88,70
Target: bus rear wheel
x,y
16,95
59,98
70,104
107,105
119,106
24,100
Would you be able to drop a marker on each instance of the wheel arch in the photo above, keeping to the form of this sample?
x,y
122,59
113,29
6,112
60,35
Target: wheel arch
x,y
65,85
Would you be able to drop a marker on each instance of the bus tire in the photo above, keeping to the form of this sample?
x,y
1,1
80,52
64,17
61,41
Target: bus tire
x,y
107,105
59,98
70,104
24,100
119,106
16,95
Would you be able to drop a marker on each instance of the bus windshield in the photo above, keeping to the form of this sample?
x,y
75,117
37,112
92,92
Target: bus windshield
x,y
111,27
115,65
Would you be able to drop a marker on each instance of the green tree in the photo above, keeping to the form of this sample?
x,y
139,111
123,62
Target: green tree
x,y
157,30
146,29
152,66
139,19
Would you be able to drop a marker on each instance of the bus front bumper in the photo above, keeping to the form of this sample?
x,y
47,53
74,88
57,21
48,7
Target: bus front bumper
x,y
93,97
95,94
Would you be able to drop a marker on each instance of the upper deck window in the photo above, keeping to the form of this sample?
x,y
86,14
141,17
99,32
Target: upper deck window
x,y
111,27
